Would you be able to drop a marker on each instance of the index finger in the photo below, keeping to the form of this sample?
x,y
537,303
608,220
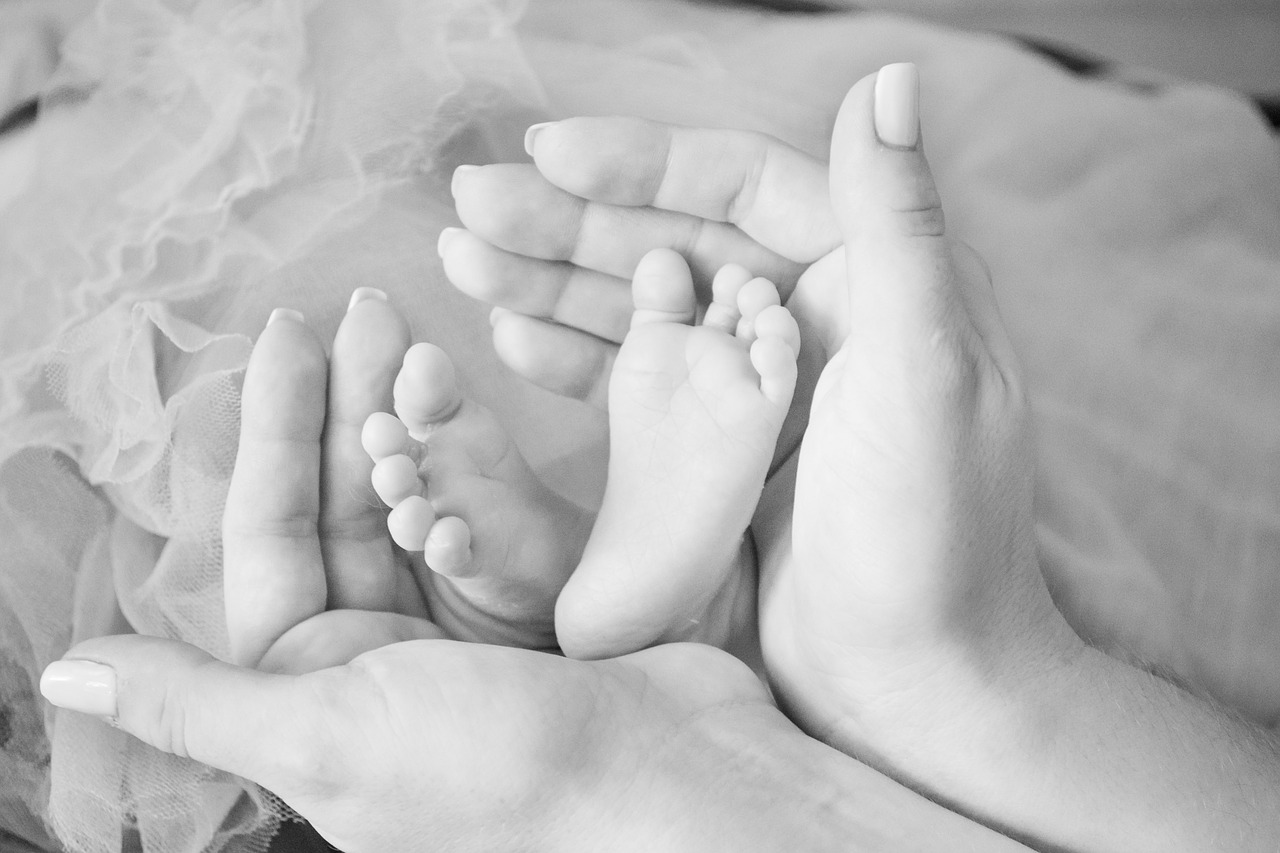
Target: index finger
x,y
773,192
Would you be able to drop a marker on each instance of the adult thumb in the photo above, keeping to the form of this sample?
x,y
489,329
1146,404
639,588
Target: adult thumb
x,y
887,207
183,701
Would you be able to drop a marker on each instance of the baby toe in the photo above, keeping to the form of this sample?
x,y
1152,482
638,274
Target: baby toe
x,y
447,549
383,435
395,479
662,289
426,389
755,296
723,314
776,321
775,362
411,522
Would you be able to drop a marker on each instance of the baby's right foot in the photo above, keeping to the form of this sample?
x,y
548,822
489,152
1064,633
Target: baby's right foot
x,y
694,416
499,544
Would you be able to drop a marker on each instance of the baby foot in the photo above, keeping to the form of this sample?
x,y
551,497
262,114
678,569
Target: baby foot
x,y
498,543
694,415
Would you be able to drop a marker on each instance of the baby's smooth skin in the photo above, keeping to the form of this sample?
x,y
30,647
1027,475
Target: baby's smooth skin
x,y
903,614
695,412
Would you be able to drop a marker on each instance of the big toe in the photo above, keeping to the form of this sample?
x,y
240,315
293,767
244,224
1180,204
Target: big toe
x,y
662,289
426,389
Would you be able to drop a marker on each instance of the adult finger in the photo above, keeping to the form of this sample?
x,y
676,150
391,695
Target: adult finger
x,y
516,209
360,564
273,575
562,360
774,193
561,292
271,729
901,279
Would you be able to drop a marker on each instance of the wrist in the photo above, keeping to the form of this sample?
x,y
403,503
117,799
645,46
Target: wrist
x,y
745,778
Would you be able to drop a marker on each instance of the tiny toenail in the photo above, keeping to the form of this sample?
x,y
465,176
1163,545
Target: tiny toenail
x,y
446,237
361,294
531,134
458,172
286,314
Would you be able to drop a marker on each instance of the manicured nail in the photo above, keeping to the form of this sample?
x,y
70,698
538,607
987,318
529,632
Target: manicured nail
x,y
360,294
532,132
80,685
461,170
897,105
446,236
286,314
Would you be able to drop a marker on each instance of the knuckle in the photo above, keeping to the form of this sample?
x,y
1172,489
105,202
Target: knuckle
x,y
927,220
315,757
167,726
301,525
756,156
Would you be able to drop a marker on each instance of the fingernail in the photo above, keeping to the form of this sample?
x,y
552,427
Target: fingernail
x,y
360,294
446,236
531,134
286,314
461,170
80,685
897,105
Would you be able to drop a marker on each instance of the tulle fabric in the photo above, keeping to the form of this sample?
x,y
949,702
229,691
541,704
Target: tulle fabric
x,y
204,161
201,162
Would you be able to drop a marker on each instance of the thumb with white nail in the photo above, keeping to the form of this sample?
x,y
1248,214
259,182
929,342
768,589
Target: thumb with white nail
x,y
455,746
912,593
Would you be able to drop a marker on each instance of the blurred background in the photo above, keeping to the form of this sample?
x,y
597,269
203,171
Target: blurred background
x,y
1234,43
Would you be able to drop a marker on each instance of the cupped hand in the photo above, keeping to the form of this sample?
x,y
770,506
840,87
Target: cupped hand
x,y
913,551
361,716
553,245
440,744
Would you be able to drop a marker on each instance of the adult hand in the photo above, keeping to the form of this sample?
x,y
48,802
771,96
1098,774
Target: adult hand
x,y
894,566
458,745
387,738
904,616
363,720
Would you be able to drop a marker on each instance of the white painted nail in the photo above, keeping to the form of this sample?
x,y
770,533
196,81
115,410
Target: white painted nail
x,y
897,105
446,236
80,685
532,133
360,294
286,314
457,173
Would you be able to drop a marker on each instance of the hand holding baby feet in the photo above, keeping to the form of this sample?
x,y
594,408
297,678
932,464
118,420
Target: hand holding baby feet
x,y
694,416
556,246
497,544
910,609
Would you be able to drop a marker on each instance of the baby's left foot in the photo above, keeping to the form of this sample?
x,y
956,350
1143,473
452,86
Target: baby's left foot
x,y
694,416
499,544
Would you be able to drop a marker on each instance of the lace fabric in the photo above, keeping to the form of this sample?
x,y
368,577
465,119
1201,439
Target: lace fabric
x,y
200,162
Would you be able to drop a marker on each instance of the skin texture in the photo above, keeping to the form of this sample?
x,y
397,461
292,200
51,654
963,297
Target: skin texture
x,y
912,506
910,626
384,735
